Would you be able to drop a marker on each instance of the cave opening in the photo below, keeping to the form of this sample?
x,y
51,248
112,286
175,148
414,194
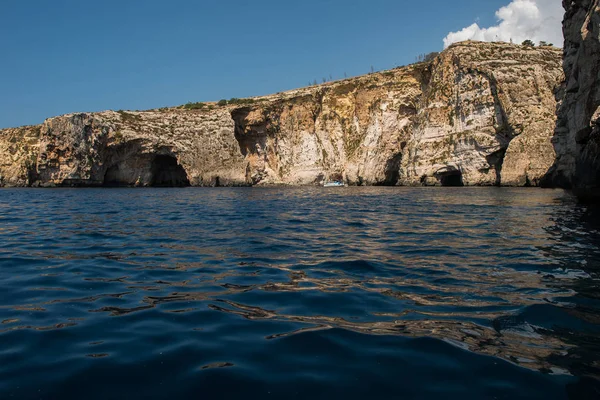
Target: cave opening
x,y
113,177
392,171
453,178
166,172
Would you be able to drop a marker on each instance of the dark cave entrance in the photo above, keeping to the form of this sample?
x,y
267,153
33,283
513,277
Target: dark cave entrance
x,y
166,172
392,171
113,177
453,178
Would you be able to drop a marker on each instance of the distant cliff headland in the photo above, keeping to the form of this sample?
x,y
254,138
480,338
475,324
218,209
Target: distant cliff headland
x,y
477,114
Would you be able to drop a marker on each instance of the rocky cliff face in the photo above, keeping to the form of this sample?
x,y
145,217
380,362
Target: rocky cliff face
x,y
354,130
479,114
486,116
124,148
577,138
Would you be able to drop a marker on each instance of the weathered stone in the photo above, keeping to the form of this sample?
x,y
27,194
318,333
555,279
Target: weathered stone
x,y
488,110
577,136
479,114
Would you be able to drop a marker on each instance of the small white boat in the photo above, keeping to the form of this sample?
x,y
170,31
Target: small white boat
x,y
334,184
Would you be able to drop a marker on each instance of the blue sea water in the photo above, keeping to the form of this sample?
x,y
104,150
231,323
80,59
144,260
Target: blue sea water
x,y
407,293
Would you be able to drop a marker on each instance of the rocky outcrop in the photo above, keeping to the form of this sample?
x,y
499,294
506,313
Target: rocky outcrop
x,y
125,149
486,117
577,137
478,114
18,155
353,130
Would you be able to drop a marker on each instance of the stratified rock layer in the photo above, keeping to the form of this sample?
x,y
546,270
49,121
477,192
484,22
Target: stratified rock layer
x,y
577,139
487,114
479,114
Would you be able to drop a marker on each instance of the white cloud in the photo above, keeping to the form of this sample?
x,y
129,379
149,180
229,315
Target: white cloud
x,y
520,20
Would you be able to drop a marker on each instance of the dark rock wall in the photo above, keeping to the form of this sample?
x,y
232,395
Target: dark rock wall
x,y
577,136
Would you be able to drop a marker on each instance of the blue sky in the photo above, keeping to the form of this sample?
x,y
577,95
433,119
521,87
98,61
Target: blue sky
x,y
65,56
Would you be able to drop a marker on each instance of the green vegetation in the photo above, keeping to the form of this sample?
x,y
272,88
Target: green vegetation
x,y
241,101
194,106
528,43
234,101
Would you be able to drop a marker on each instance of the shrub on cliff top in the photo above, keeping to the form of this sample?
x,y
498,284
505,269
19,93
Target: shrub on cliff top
x,y
235,101
528,43
241,101
194,106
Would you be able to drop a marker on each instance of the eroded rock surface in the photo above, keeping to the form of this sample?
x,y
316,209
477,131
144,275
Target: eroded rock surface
x,y
577,138
479,114
487,114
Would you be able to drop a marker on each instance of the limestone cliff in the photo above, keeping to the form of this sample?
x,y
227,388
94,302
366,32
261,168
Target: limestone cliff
x,y
577,138
19,149
478,114
487,114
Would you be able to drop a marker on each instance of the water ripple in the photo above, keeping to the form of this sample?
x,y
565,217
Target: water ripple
x,y
477,293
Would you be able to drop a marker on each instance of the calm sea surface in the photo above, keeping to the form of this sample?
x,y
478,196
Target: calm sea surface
x,y
469,293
